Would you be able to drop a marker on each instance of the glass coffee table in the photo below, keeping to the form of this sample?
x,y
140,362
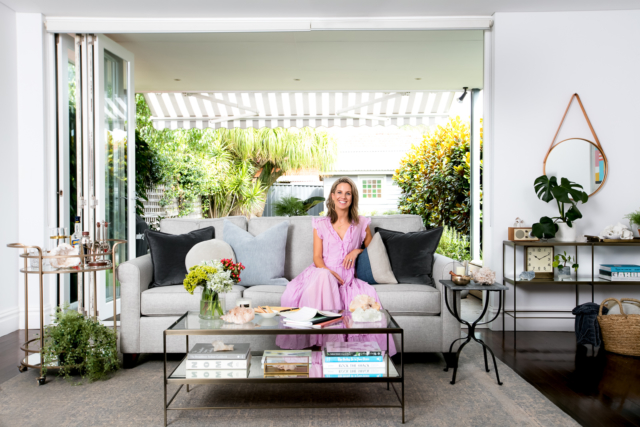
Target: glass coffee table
x,y
191,324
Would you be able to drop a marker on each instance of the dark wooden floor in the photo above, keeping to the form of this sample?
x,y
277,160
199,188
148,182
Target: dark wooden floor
x,y
596,390
600,390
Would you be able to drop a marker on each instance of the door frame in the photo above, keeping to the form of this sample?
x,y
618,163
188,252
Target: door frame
x,y
102,43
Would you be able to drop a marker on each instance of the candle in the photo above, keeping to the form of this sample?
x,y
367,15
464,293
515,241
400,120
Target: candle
x,y
460,271
243,302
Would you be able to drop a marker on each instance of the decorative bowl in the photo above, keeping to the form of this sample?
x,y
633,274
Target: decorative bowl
x,y
461,280
268,315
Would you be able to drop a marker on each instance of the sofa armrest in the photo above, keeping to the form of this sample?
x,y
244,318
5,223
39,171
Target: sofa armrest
x,y
450,326
135,276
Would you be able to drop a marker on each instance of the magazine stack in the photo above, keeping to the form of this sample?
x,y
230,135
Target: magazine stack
x,y
353,360
620,272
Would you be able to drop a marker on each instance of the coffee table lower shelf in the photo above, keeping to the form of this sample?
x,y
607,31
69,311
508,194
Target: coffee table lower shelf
x,y
178,377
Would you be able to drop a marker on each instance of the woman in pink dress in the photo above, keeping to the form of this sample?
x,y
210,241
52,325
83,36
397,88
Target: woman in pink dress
x,y
330,282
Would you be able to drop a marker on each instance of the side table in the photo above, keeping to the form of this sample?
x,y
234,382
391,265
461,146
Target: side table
x,y
472,326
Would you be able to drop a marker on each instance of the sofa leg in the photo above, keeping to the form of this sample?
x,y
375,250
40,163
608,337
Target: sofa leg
x,y
129,360
450,360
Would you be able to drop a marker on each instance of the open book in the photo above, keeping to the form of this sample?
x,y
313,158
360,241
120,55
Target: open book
x,y
308,316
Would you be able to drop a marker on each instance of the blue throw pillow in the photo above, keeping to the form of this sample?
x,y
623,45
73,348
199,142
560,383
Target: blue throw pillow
x,y
363,268
262,255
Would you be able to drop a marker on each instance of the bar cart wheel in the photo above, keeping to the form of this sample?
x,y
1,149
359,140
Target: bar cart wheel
x,y
22,368
42,380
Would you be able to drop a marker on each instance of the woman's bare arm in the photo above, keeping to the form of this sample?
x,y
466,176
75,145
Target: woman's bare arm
x,y
368,237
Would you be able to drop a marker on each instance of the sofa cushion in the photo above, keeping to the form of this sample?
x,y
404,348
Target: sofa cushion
x,y
264,295
299,250
175,300
185,225
214,249
262,254
412,254
169,251
408,298
401,223
373,265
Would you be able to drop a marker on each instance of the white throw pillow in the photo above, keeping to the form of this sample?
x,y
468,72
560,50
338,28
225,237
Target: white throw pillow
x,y
208,251
629,308
379,259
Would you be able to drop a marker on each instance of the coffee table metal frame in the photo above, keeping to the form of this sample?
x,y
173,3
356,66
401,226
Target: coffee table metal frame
x,y
274,380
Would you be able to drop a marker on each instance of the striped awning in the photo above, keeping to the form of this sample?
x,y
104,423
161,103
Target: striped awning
x,y
173,110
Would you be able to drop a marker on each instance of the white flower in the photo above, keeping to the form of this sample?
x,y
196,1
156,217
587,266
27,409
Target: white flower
x,y
221,280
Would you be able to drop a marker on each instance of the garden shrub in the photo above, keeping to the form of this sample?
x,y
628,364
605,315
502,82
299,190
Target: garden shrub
x,y
454,245
435,178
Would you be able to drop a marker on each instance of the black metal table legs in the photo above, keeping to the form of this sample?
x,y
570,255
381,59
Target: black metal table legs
x,y
472,336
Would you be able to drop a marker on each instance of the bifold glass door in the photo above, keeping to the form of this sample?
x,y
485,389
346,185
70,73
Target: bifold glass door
x,y
96,156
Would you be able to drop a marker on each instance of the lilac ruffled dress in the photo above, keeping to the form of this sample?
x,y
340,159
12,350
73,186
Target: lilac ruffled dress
x,y
318,288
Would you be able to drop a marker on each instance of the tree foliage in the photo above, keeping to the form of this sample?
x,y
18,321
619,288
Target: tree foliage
x,y
435,177
230,170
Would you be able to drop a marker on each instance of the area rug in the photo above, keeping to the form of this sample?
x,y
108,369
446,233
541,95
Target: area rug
x,y
134,398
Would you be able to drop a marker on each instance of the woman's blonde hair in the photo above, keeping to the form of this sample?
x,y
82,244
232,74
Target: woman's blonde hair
x,y
353,209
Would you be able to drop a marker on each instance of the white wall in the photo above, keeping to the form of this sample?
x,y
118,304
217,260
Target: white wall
x,y
8,171
34,180
540,59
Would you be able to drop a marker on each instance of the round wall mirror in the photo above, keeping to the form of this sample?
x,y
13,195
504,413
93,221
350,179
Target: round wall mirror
x,y
579,160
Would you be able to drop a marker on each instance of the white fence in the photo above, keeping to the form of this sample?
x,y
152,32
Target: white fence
x,y
301,191
153,210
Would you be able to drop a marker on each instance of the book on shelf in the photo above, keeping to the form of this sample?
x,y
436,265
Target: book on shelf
x,y
217,373
619,279
353,365
205,352
353,375
218,364
369,348
285,353
355,371
352,359
628,268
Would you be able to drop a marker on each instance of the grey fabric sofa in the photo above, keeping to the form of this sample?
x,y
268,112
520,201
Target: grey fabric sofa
x,y
420,310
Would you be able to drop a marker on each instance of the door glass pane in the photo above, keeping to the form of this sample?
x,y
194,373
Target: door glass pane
x,y
115,112
73,188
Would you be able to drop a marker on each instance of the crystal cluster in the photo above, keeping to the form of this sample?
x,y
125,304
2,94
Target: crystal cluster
x,y
484,276
370,315
364,302
220,346
527,275
64,249
239,315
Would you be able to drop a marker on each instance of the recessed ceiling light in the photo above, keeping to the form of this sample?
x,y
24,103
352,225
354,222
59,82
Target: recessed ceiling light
x,y
418,78
177,80
297,80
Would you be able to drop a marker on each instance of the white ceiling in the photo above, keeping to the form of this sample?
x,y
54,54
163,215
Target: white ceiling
x,y
304,8
335,60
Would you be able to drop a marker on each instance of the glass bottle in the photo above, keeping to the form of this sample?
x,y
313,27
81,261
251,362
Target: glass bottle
x,y
77,234
86,247
104,244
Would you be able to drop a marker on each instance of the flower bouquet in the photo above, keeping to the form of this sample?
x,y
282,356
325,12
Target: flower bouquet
x,y
216,278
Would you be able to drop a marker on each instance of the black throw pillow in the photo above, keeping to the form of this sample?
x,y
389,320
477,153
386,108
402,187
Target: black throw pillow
x,y
169,251
411,254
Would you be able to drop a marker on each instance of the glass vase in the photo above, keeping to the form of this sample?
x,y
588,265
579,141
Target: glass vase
x,y
211,304
564,273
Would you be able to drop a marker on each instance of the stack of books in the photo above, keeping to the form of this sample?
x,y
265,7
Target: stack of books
x,y
308,317
620,272
353,360
203,362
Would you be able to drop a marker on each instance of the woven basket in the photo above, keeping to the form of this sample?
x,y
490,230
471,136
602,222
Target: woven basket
x,y
620,332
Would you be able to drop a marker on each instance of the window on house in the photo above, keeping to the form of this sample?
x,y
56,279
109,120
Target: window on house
x,y
371,188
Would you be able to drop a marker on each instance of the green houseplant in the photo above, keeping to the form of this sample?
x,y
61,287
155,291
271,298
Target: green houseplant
x,y
560,262
80,345
567,194
634,218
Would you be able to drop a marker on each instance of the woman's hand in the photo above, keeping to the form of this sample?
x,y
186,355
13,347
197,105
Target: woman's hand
x,y
350,260
337,276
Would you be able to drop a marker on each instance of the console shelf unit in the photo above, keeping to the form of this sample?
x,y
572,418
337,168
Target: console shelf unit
x,y
581,279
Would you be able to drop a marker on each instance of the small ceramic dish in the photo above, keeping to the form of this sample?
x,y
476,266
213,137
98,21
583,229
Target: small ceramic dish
x,y
461,280
268,315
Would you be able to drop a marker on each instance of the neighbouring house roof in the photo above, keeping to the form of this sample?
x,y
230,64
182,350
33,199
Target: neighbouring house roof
x,y
174,110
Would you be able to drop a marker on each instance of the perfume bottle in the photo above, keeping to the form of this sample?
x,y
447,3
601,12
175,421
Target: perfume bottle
x,y
77,234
